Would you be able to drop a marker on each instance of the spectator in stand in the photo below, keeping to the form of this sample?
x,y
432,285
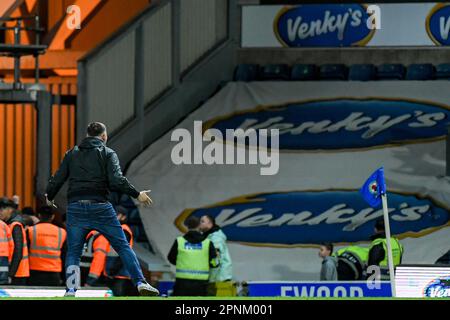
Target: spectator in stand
x,y
19,270
46,243
328,271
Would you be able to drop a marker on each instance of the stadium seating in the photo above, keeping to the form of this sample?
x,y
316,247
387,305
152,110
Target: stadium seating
x,y
420,72
304,72
443,71
390,72
362,72
274,72
333,72
246,72
355,72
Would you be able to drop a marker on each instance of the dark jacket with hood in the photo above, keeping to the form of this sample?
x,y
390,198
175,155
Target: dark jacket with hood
x,y
92,170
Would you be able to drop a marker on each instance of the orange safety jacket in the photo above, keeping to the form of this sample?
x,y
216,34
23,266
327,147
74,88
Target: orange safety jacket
x,y
113,258
24,267
6,250
100,248
46,242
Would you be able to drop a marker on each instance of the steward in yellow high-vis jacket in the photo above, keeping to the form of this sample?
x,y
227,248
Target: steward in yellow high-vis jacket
x,y
193,256
378,253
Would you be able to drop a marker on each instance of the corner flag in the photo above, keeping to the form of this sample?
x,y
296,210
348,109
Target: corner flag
x,y
374,192
373,188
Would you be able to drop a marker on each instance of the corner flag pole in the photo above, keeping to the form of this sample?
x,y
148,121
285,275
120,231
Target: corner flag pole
x,y
388,242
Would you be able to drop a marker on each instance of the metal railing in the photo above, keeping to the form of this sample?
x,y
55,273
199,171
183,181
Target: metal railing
x,y
17,50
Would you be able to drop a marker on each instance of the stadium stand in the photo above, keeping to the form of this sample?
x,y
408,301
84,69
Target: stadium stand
x,y
333,72
391,72
304,72
246,72
442,71
420,72
274,72
353,72
362,72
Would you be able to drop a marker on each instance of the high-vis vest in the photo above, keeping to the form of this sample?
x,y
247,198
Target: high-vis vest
x,y
355,258
46,242
6,251
192,259
100,248
360,253
113,259
88,250
24,267
397,252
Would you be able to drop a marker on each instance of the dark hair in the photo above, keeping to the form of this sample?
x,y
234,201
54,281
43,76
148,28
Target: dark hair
x,y
192,222
46,212
211,218
28,211
328,245
96,129
379,224
7,203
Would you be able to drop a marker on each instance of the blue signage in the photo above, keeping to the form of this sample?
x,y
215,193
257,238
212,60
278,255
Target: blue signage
x,y
346,123
438,24
318,25
438,288
319,289
313,217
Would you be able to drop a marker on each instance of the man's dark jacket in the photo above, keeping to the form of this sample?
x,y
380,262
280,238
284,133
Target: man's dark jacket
x,y
92,170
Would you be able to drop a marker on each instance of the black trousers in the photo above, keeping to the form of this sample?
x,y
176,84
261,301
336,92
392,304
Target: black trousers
x,y
346,273
123,288
44,279
190,288
15,281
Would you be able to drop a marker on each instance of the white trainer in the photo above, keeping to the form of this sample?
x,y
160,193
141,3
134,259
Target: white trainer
x,y
147,290
70,293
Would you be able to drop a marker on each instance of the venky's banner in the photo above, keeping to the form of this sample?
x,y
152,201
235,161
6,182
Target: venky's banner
x,y
332,136
346,25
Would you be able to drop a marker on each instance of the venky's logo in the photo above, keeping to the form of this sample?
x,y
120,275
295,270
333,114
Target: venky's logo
x,y
319,25
438,288
438,24
343,123
313,217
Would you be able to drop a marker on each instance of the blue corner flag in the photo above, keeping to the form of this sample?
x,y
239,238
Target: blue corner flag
x,y
373,188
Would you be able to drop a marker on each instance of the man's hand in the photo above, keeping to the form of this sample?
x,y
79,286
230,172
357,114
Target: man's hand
x,y
144,198
50,203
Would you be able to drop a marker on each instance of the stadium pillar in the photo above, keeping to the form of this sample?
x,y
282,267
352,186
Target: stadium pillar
x,y
44,143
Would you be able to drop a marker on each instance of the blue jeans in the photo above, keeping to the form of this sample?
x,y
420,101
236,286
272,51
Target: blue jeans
x,y
83,218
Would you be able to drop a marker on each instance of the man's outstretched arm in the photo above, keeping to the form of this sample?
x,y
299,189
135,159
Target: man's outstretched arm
x,y
57,181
